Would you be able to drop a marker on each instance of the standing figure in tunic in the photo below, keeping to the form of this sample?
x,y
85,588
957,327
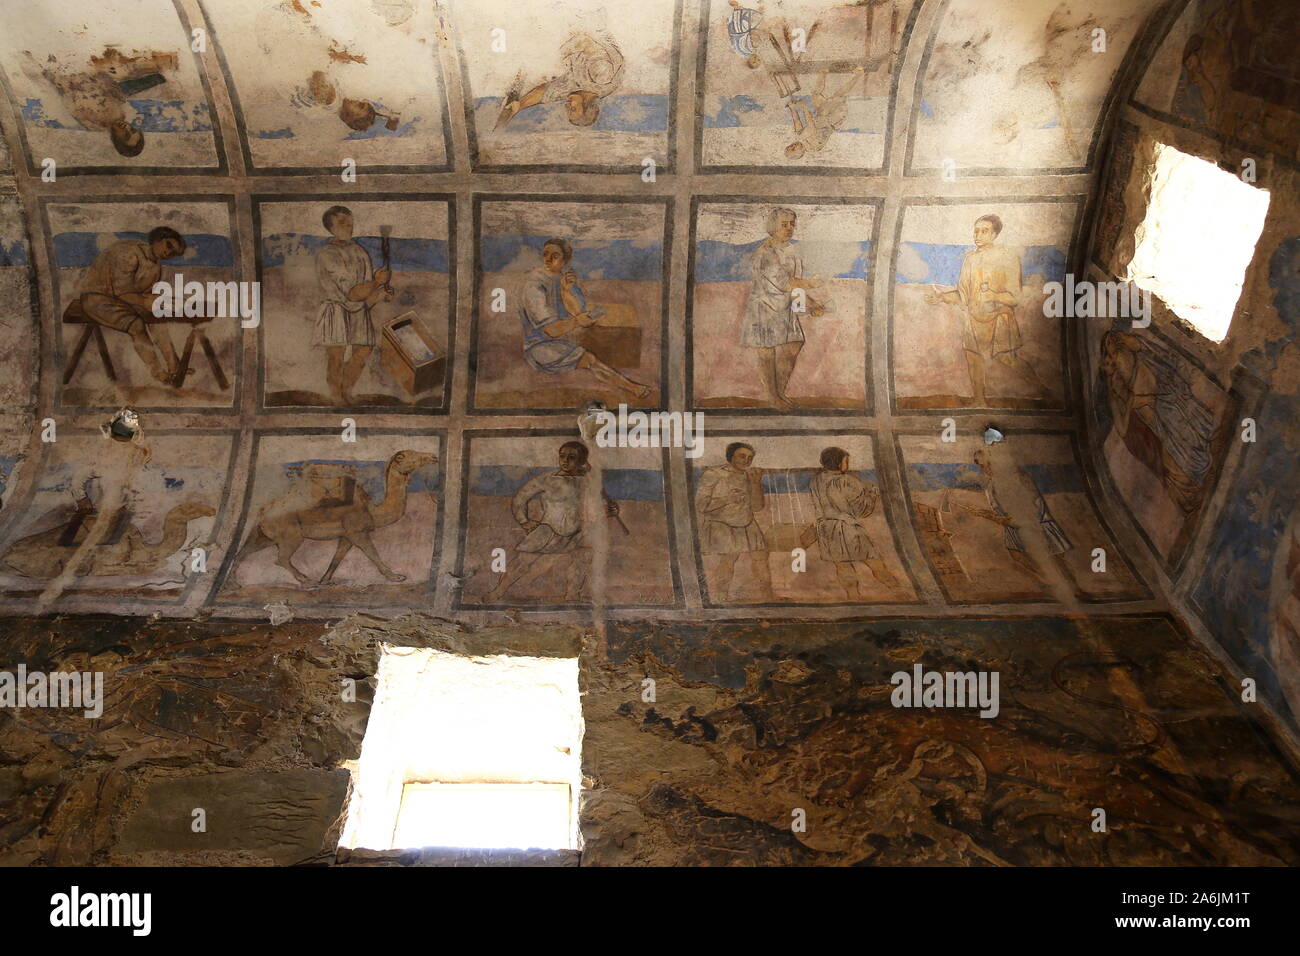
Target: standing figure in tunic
x,y
350,287
842,499
727,503
778,294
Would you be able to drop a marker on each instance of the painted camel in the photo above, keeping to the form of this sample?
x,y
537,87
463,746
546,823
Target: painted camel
x,y
45,554
349,522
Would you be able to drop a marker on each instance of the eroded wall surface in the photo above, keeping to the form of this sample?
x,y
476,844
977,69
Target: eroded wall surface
x,y
880,145
17,337
749,726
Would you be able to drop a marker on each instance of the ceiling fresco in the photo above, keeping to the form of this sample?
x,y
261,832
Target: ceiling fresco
x,y
706,342
405,242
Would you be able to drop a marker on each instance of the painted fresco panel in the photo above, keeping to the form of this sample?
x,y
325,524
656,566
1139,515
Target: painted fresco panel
x,y
776,524
781,294
1011,522
569,84
391,352
586,324
363,82
799,85
120,518
119,89
329,522
968,327
533,498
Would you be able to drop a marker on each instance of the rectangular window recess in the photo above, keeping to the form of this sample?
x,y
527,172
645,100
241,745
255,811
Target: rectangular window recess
x,y
485,815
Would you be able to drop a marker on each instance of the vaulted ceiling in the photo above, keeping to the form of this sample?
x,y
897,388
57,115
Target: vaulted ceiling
x,y
667,143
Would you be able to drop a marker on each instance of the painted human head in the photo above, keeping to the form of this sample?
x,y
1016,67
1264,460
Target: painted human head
x,y
357,114
740,455
573,457
987,229
1115,348
835,459
582,108
781,222
165,242
338,222
556,254
127,140
322,89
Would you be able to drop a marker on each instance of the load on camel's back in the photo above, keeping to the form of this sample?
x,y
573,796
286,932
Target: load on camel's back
x,y
47,553
327,503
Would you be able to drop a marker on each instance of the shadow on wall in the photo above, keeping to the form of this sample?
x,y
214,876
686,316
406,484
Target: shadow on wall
x,y
1250,607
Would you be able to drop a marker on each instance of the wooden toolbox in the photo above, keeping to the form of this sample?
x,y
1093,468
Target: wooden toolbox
x,y
616,341
411,355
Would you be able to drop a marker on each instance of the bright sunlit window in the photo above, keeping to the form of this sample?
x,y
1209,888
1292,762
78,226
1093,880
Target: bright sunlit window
x,y
467,751
1197,239
484,815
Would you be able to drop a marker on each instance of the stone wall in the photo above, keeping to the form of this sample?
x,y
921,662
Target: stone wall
x,y
748,731
771,701
1215,88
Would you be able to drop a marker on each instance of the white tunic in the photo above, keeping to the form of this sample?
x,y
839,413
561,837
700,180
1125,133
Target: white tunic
x,y
769,318
559,528
340,320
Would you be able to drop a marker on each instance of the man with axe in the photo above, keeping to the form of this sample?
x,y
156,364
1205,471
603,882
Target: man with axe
x,y
549,508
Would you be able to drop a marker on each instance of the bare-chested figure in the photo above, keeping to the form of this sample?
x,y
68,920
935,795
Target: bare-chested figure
x,y
989,291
